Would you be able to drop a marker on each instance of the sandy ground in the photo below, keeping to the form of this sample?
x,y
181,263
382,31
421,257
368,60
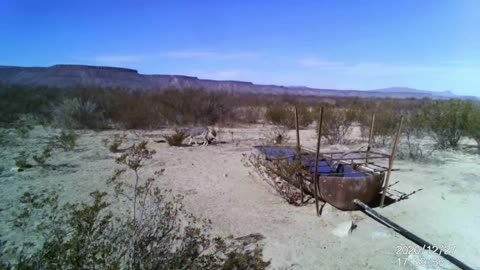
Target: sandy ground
x,y
217,186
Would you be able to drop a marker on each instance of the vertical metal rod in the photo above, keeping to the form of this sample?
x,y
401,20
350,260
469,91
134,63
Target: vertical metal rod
x,y
317,156
390,162
298,150
370,137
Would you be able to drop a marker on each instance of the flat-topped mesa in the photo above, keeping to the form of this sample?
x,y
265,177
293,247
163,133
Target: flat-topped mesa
x,y
87,67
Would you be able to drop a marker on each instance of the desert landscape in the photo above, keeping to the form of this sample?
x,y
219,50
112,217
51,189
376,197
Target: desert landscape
x,y
239,135
216,185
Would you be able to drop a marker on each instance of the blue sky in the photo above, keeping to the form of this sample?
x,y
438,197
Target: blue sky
x,y
432,45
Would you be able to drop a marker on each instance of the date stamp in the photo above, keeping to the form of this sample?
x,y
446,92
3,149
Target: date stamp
x,y
426,256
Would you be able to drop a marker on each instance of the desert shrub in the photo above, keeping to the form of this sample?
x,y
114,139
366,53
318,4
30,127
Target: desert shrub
x,y
249,114
285,115
116,141
385,127
157,234
177,138
337,123
448,121
16,101
67,140
277,135
414,131
21,160
23,126
474,126
4,136
41,158
75,113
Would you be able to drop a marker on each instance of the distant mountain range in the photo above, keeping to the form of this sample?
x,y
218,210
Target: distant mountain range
x,y
62,76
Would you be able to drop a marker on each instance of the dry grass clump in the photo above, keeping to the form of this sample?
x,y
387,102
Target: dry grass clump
x,y
177,138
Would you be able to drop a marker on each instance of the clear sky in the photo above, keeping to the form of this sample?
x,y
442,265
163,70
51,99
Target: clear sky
x,y
431,45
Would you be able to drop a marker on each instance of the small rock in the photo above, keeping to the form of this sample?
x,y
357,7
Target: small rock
x,y
225,175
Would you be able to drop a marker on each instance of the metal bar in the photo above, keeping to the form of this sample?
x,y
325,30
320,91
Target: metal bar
x,y
299,148
390,162
410,236
319,141
370,137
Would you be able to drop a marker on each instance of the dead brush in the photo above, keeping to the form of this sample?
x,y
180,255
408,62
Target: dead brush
x,y
274,175
177,138
276,135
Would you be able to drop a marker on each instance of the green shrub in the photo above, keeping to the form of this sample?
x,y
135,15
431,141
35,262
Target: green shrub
x,y
385,127
67,140
21,160
23,126
285,115
177,138
117,141
448,121
41,158
474,126
75,113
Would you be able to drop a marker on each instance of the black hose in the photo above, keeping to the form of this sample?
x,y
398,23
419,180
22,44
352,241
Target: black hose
x,y
410,236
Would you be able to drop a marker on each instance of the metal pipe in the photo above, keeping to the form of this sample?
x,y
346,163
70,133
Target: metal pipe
x,y
410,236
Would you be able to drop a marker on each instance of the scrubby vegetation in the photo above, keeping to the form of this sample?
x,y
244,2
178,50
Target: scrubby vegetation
x,y
448,121
285,115
157,233
177,138
276,135
337,123
115,142
474,126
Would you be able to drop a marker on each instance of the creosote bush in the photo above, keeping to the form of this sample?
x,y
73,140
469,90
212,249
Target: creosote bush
x,y
448,121
156,234
177,138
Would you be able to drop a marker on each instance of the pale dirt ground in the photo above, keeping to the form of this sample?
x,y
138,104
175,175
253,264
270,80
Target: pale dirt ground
x,y
217,186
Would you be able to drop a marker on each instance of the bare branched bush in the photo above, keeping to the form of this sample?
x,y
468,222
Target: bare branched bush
x,y
337,123
177,138
276,135
275,174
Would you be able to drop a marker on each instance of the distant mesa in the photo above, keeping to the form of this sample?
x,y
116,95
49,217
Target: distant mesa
x,y
100,76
